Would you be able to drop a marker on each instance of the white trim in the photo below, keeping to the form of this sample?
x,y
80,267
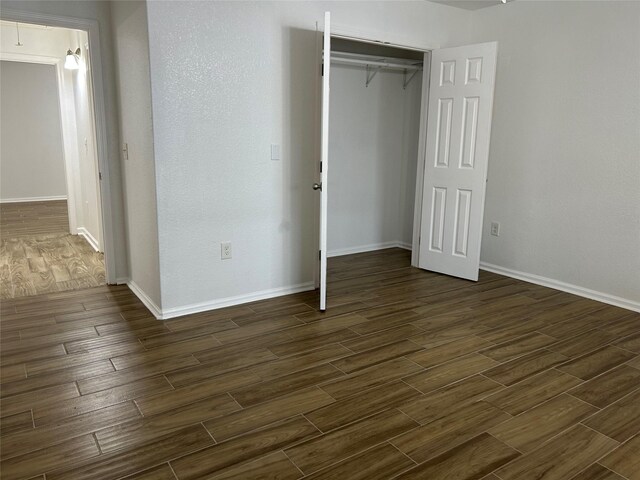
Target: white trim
x,y
420,164
368,248
54,198
144,298
100,116
89,238
215,304
28,58
122,280
565,287
227,302
386,39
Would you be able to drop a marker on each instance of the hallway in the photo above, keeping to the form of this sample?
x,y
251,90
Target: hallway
x,y
38,255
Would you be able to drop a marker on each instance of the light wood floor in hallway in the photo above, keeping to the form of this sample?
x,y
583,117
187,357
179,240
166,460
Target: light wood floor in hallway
x,y
38,255
409,375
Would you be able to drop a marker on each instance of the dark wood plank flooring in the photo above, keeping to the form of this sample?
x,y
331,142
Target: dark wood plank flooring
x,y
408,375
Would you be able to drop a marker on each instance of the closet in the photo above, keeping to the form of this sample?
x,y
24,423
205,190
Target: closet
x,y
403,159
374,131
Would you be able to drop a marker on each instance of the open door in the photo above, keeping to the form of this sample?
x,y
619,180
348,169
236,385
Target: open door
x,y
324,158
455,174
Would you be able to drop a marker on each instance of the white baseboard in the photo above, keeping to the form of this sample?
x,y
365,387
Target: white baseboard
x,y
122,280
89,238
565,287
33,199
144,298
168,313
368,248
237,300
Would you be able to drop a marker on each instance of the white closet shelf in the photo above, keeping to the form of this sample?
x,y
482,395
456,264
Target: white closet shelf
x,y
374,64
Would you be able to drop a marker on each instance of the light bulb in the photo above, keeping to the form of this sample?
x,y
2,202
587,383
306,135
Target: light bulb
x,y
71,62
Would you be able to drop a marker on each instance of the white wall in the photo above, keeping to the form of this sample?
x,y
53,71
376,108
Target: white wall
x,y
223,90
373,155
31,156
131,46
564,169
98,11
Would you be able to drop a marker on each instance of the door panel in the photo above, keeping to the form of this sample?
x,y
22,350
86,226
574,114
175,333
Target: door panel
x,y
324,158
458,134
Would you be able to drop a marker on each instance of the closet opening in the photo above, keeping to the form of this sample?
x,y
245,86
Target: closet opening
x,y
403,151
375,109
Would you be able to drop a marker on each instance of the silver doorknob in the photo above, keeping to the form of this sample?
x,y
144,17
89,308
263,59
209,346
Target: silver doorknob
x,y
317,186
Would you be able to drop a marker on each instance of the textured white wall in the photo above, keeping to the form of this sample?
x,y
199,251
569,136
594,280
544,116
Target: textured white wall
x,y
564,169
373,155
223,90
31,156
131,46
100,12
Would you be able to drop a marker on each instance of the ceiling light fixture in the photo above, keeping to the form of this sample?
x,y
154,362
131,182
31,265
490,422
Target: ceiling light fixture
x,y
503,1
72,61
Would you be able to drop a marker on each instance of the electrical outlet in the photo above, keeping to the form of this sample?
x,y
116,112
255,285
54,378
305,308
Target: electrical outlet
x,y
225,250
495,229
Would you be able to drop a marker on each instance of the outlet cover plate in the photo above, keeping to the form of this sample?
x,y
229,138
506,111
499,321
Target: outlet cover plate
x,y
225,250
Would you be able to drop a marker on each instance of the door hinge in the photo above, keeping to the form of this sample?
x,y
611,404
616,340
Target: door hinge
x,y
320,255
322,70
100,175
320,167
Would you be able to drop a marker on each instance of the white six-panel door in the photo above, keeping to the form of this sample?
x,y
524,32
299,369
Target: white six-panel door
x,y
457,154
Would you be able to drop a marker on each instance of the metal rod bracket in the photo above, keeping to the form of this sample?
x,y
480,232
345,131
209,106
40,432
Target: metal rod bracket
x,y
371,72
407,82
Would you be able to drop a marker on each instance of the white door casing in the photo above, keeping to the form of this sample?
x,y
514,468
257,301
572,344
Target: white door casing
x,y
324,158
457,155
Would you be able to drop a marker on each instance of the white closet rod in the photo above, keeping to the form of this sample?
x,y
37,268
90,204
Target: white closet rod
x,y
377,63
374,64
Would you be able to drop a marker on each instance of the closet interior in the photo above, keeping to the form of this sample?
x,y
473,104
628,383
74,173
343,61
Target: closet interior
x,y
375,102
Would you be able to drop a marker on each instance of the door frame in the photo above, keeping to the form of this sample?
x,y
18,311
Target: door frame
x,y
99,110
349,33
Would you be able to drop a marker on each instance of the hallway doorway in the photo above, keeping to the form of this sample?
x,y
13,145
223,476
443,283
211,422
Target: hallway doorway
x,y
51,225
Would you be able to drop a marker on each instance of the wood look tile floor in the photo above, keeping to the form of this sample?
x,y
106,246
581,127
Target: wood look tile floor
x,y
38,255
408,375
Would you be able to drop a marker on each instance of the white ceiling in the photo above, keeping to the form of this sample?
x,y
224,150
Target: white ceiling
x,y
468,4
